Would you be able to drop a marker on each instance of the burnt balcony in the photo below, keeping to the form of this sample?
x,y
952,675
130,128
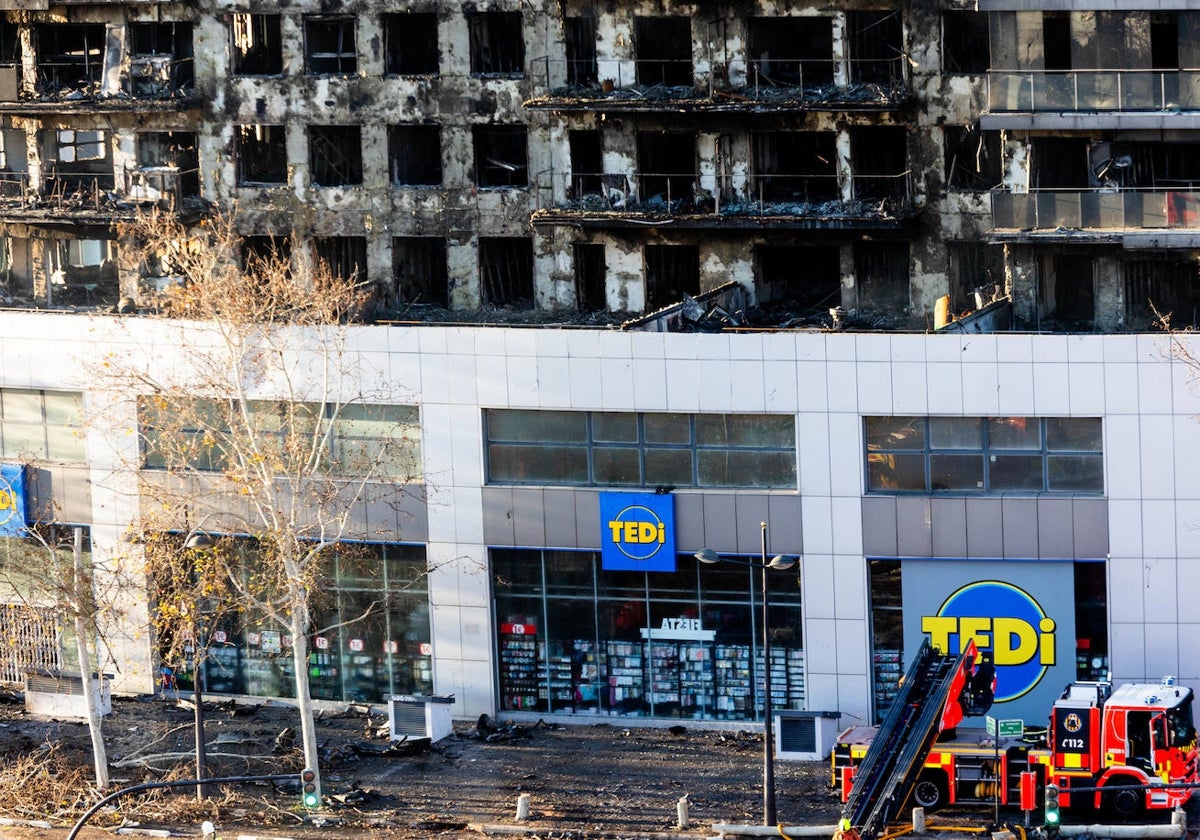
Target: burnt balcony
x,y
1168,217
778,86
96,198
155,82
783,202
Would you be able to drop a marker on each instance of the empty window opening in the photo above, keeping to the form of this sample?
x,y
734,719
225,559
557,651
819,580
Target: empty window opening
x,y
580,35
965,42
1069,291
973,265
161,57
666,166
259,250
1166,286
501,156
876,43
586,162
794,166
807,278
662,50
335,155
1164,41
1058,162
506,270
410,41
9,49
261,154
1174,166
497,43
671,272
80,163
972,158
257,45
329,46
419,269
415,155
70,56
881,275
590,271
879,156
82,272
1056,40
344,256
795,51
169,158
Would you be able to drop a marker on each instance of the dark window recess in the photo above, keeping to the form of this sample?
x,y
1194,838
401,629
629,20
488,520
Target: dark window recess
x,y
807,278
586,162
171,149
666,166
881,274
70,55
261,154
8,42
795,166
965,42
1059,162
1056,40
497,43
501,156
973,265
1170,166
257,45
335,155
345,256
1069,293
876,47
662,50
580,34
671,272
506,270
791,51
972,158
419,268
410,41
1168,288
1164,40
879,158
590,270
329,46
257,250
415,155
149,42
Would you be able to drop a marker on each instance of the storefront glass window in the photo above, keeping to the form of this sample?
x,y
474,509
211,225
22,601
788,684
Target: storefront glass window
x,y
679,645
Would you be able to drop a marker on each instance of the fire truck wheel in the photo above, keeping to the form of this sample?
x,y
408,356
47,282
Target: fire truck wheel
x,y
1123,803
930,790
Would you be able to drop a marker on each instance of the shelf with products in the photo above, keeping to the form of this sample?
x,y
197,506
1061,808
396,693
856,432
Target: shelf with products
x,y
733,687
779,678
626,682
521,689
886,665
696,679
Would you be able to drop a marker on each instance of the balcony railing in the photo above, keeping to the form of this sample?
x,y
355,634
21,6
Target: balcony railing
x,y
1096,210
81,193
1093,90
149,77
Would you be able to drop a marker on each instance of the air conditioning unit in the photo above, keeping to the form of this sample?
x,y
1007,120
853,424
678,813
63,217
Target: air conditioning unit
x,y
55,694
419,716
805,736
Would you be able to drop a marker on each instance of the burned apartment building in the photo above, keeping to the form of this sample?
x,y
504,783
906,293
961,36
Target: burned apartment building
x,y
887,161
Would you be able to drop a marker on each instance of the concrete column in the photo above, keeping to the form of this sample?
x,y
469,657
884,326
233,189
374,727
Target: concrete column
x,y
1110,294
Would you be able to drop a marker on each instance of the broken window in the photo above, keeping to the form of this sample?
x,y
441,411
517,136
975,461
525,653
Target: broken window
x,y
419,268
586,162
876,43
794,166
261,154
410,43
1069,291
415,155
506,270
965,42
1164,41
1168,286
329,46
9,48
14,163
671,272
972,158
501,156
879,157
590,271
881,275
167,162
335,155
80,163
1058,162
82,272
257,250
1056,40
257,45
662,50
161,57
973,265
497,43
345,256
666,166
791,51
70,55
808,277
580,34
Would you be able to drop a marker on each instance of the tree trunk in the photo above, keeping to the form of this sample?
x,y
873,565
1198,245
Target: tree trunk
x,y
308,724
91,678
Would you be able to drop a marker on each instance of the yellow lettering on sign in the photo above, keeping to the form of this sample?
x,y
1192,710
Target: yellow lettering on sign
x,y
6,500
1013,641
637,533
939,628
1016,641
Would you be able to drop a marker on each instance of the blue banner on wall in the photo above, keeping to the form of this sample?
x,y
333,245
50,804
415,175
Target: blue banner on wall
x,y
12,500
637,532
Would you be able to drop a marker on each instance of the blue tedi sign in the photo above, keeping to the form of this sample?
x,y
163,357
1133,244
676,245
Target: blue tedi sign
x,y
637,532
12,500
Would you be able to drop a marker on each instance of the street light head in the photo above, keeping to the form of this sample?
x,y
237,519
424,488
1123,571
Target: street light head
x,y
198,541
707,555
780,562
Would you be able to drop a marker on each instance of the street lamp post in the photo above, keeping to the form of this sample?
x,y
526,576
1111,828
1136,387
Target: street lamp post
x,y
778,562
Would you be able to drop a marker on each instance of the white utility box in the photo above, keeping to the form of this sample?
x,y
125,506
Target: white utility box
x,y
60,695
805,736
419,716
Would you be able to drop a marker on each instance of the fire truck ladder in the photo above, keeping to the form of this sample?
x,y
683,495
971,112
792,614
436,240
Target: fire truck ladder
x,y
889,770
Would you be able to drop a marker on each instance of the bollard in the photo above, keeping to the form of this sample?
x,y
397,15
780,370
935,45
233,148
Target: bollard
x,y
523,807
918,820
681,813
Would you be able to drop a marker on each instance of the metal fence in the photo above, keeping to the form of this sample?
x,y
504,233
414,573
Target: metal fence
x,y
30,639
